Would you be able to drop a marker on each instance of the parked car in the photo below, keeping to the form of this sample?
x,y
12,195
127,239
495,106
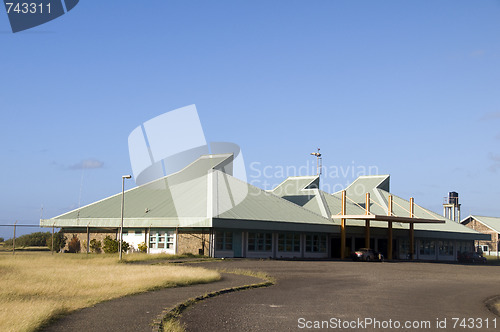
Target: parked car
x,y
471,257
367,254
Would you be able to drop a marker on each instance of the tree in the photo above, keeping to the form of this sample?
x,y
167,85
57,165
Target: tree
x,y
95,246
59,241
37,239
2,239
111,246
142,247
74,244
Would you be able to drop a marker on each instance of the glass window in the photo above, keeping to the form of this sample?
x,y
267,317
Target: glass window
x,y
446,248
289,242
427,247
260,241
224,240
161,239
316,243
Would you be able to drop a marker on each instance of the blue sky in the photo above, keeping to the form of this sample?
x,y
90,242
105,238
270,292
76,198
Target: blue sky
x,y
410,88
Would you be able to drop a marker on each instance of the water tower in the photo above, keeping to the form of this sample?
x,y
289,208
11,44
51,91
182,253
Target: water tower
x,y
451,207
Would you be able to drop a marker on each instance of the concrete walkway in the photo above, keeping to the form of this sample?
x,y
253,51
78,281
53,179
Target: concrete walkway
x,y
137,312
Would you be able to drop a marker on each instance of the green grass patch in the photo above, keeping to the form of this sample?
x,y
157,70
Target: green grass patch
x,y
142,257
38,287
492,260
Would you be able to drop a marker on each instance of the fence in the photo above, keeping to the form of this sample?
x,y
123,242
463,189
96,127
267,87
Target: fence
x,y
16,225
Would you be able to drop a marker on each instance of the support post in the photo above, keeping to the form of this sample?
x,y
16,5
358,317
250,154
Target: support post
x,y
389,230
148,242
342,227
88,239
14,240
176,240
367,222
412,238
52,247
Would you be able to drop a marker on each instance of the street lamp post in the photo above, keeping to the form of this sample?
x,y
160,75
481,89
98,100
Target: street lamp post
x,y
123,201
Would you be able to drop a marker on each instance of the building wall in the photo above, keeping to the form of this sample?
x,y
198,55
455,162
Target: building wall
x,y
273,251
82,237
134,237
196,243
161,241
478,226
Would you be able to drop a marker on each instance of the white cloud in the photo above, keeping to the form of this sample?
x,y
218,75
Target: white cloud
x,y
478,53
87,164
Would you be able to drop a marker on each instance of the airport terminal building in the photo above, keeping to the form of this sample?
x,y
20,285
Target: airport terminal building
x,y
203,209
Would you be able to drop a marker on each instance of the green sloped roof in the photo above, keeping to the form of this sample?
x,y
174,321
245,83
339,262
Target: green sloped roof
x,y
192,196
261,205
335,205
491,222
367,183
295,185
177,199
187,186
401,207
378,187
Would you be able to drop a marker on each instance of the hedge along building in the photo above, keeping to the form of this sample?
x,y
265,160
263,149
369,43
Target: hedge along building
x,y
203,209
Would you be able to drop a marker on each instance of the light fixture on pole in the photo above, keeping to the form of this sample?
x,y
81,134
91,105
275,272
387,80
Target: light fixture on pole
x,y
123,201
319,162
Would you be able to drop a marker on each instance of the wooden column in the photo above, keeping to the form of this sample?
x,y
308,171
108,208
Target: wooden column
x,y
88,239
52,245
412,239
367,222
342,227
389,230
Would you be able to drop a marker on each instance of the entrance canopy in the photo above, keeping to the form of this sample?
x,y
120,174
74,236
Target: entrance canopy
x,y
389,218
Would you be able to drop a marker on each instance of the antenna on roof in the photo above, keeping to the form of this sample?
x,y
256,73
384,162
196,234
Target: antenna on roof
x,y
319,162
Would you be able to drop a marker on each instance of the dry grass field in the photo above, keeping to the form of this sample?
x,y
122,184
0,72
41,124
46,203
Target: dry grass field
x,y
37,287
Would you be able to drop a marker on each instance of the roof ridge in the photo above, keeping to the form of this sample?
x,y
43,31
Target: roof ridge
x,y
163,178
289,178
275,196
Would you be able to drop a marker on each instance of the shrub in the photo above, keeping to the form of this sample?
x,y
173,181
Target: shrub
x,y
95,246
74,244
111,245
37,239
142,247
59,241
125,246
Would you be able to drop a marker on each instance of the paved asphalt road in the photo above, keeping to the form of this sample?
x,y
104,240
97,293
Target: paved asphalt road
x,y
324,290
137,312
